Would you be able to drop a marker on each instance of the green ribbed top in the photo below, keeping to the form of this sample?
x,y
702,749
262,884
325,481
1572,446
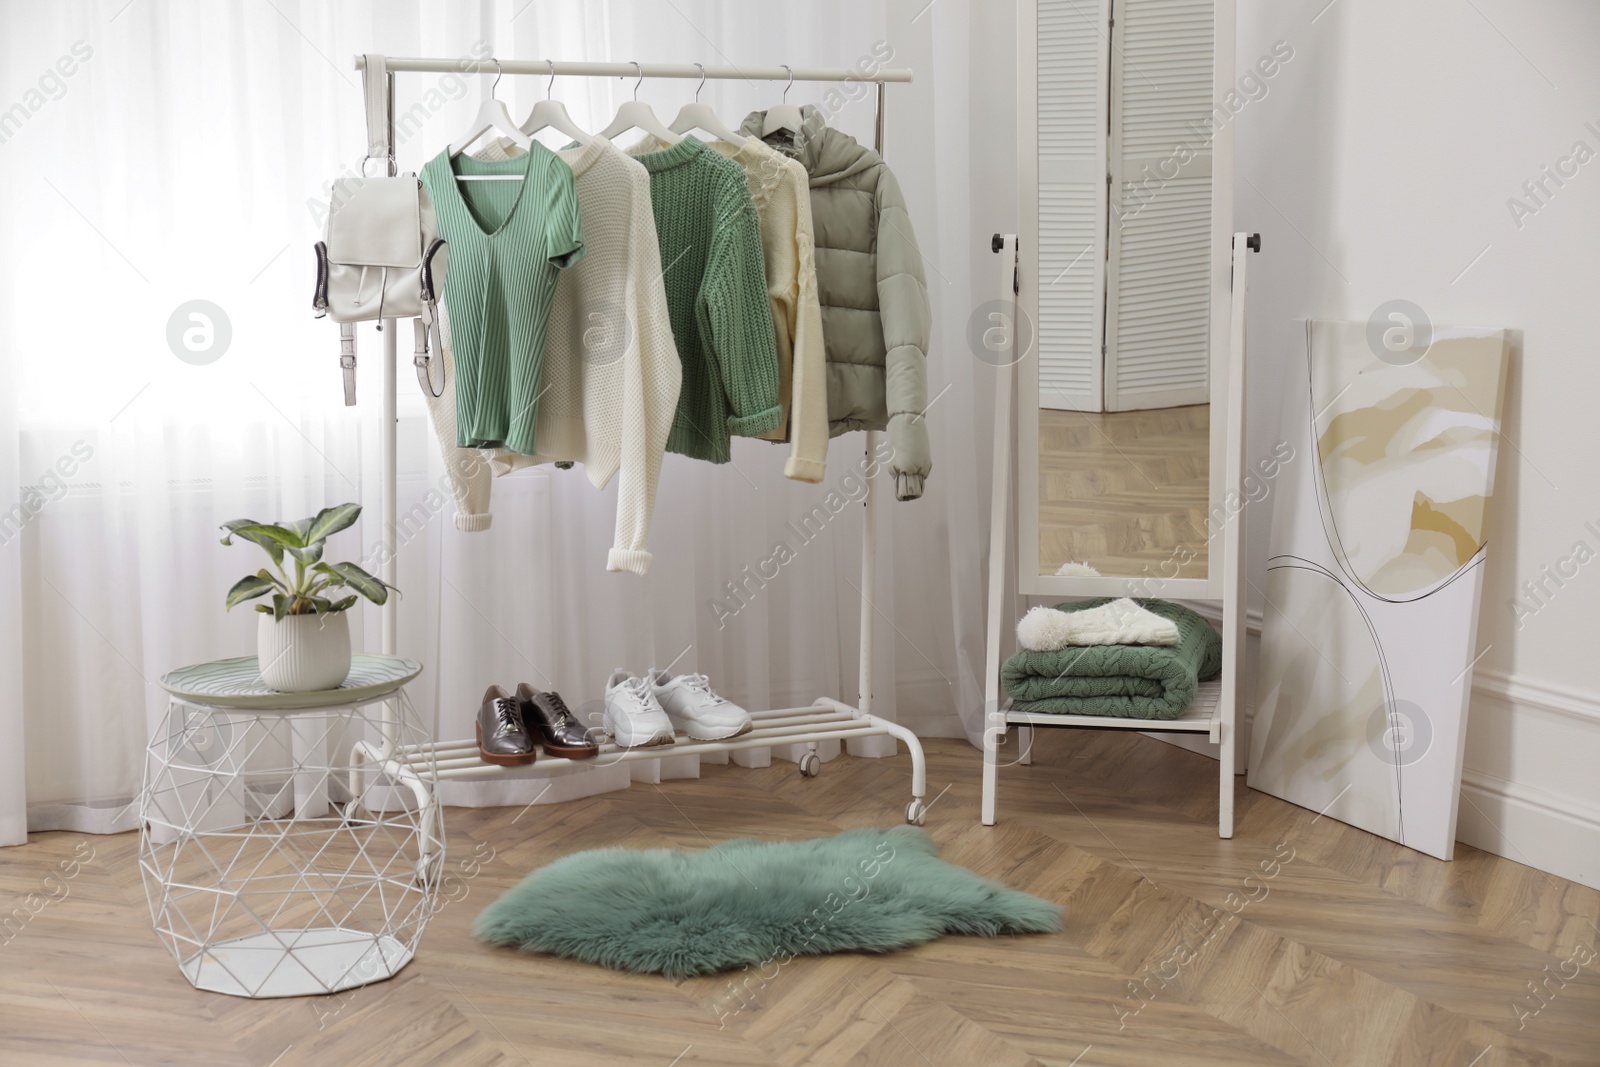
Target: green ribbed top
x,y
715,277
507,241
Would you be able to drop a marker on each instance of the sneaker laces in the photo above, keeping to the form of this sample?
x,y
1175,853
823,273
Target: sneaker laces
x,y
699,683
640,688
505,711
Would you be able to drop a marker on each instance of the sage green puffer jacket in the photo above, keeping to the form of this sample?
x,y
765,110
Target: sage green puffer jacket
x,y
875,315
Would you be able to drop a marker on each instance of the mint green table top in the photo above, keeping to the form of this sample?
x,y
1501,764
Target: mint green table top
x,y
236,683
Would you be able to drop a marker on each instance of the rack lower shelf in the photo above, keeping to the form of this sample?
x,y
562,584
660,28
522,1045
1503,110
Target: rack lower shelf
x,y
1202,716
825,720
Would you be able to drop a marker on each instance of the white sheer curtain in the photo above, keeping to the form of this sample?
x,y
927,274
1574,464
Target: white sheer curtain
x,y
157,154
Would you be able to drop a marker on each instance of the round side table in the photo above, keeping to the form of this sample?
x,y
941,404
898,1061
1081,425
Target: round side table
x,y
284,851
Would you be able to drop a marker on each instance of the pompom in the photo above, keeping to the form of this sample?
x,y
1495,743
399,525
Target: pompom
x,y
1044,629
1073,569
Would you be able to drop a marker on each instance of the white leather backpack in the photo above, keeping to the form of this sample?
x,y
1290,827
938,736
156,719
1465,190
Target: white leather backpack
x,y
381,255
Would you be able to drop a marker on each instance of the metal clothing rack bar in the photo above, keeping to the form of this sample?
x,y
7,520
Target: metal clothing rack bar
x,y
826,719
563,68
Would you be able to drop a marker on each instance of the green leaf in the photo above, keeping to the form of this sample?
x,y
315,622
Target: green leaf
x,y
265,609
345,604
249,529
308,555
374,589
300,527
248,588
316,605
330,521
269,536
280,606
232,525
267,576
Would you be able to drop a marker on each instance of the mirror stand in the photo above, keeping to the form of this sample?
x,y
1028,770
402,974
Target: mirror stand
x,y
1214,713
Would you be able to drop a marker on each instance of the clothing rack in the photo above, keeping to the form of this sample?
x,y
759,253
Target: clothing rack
x,y
825,719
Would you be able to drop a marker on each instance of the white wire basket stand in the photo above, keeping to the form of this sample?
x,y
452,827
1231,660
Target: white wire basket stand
x,y
274,863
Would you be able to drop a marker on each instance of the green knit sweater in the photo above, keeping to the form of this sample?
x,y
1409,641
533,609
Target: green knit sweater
x,y
715,278
1126,681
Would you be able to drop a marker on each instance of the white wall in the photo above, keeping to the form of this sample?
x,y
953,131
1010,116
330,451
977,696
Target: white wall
x,y
1378,166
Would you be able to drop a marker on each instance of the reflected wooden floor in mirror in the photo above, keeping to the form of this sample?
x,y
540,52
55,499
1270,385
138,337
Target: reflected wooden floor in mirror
x,y
1125,491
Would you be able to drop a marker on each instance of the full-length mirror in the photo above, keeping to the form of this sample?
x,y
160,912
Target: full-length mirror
x,y
1125,138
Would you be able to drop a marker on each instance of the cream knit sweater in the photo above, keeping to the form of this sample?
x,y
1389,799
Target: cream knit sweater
x,y
781,190
611,373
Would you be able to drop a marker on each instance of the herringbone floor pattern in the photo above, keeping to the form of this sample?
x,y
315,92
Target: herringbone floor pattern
x,y
1299,941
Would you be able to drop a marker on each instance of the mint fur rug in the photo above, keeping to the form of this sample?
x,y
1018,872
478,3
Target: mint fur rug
x,y
745,902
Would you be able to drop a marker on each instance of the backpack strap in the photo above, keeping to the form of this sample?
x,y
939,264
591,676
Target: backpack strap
x,y
347,361
428,323
423,362
319,296
375,86
375,89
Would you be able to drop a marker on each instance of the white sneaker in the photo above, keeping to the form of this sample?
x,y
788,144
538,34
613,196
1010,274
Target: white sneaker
x,y
696,709
633,717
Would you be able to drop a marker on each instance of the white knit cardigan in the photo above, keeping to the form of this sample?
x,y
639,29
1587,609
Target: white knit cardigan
x,y
609,388
781,190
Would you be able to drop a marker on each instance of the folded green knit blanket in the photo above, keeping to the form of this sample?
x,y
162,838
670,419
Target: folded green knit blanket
x,y
1126,681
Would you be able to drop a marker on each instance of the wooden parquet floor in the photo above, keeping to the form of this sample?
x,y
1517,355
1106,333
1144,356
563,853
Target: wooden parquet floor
x,y
1299,941
1125,491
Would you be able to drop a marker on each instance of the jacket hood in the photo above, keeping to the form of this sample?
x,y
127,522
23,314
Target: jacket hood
x,y
827,154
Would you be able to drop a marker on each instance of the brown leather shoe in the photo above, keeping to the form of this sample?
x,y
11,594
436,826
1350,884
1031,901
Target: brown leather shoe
x,y
546,717
502,738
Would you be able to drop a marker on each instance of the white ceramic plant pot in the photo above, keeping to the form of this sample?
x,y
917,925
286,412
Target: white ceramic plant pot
x,y
303,653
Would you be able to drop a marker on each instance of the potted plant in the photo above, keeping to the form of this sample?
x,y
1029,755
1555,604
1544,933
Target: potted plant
x,y
303,637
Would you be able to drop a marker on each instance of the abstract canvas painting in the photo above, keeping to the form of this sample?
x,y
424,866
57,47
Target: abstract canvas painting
x,y
1374,576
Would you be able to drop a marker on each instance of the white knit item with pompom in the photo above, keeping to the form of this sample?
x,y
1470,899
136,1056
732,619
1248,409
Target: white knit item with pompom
x,y
1119,622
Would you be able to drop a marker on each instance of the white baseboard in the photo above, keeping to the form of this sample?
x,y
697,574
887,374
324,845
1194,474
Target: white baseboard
x,y
1551,833
1555,829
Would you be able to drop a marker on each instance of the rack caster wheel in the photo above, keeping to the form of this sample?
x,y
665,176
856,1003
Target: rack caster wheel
x,y
355,813
916,811
810,765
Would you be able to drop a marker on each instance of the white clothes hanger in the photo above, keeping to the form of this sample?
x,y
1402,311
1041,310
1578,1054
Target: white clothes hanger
x,y
551,114
635,114
698,116
784,115
492,115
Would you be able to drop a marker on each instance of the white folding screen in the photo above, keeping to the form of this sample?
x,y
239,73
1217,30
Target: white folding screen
x,y
1158,274
1074,80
